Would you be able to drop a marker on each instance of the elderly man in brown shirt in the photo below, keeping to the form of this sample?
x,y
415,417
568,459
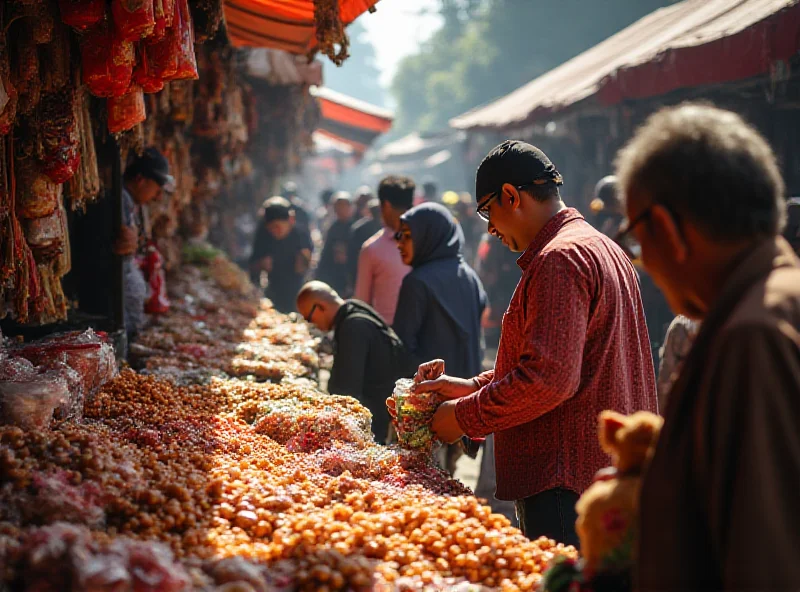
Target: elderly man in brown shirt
x,y
720,503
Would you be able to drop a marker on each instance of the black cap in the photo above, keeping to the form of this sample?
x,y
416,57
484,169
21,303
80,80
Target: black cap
x,y
153,165
276,208
514,162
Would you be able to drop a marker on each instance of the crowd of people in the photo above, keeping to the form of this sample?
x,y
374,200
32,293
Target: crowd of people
x,y
697,208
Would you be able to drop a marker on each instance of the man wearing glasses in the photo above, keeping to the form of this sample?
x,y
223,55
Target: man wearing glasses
x,y
706,204
574,343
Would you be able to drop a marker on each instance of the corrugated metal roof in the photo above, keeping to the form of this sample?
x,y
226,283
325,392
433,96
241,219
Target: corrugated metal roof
x,y
663,33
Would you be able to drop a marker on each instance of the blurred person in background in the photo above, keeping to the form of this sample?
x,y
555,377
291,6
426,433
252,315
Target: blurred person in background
x,y
573,343
325,211
500,274
145,179
282,252
380,268
430,192
442,299
607,206
362,231
705,205
333,267
368,356
363,196
678,343
474,228
303,219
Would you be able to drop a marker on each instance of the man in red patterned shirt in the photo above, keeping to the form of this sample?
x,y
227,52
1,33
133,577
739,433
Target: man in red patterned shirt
x,y
574,343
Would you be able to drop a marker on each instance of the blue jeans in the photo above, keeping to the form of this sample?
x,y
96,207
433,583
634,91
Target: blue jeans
x,y
550,513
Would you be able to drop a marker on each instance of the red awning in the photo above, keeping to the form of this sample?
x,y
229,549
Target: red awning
x,y
350,120
691,43
282,24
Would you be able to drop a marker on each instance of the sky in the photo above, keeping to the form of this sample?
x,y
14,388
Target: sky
x,y
397,28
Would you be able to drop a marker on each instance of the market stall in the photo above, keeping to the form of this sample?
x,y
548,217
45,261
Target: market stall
x,y
214,462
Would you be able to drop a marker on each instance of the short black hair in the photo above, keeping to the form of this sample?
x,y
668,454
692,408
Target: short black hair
x,y
708,165
398,191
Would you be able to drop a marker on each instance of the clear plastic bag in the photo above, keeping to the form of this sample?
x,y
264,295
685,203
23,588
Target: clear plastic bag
x,y
414,414
29,398
87,353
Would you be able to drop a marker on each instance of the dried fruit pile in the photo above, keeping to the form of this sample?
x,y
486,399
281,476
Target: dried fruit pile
x,y
202,470
214,325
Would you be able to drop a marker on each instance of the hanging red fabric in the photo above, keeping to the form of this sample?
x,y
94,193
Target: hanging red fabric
x,y
165,15
107,63
187,61
126,111
133,19
82,14
143,74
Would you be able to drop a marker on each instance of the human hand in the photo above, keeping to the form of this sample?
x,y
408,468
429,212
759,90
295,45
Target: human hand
x,y
449,387
127,241
444,423
429,371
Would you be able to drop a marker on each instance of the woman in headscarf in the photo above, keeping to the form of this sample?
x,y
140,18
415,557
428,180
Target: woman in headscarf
x,y
442,299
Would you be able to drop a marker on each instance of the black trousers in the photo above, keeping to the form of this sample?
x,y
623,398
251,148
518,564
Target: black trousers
x,y
550,513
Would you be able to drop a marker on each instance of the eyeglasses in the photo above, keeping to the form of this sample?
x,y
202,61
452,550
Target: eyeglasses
x,y
310,315
627,240
625,237
402,235
483,208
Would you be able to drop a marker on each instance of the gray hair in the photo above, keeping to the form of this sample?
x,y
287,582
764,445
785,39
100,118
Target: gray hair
x,y
711,167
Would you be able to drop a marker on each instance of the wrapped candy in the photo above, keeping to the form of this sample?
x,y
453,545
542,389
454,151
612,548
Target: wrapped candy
x,y
59,135
82,14
107,63
133,19
126,111
414,414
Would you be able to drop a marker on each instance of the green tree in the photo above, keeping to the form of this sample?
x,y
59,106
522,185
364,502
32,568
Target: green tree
x,y
487,48
358,76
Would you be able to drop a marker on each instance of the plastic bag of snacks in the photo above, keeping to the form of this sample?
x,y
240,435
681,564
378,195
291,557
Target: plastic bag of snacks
x,y
82,14
133,19
107,63
29,397
59,135
414,414
88,353
126,111
37,194
187,60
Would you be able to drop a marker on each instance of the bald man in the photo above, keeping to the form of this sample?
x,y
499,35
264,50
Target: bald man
x,y
368,356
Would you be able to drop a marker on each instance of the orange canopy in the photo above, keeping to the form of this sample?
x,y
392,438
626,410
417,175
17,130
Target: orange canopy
x,y
282,24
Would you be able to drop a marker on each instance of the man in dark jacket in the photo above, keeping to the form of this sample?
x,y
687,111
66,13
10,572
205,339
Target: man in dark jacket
x,y
705,203
368,356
